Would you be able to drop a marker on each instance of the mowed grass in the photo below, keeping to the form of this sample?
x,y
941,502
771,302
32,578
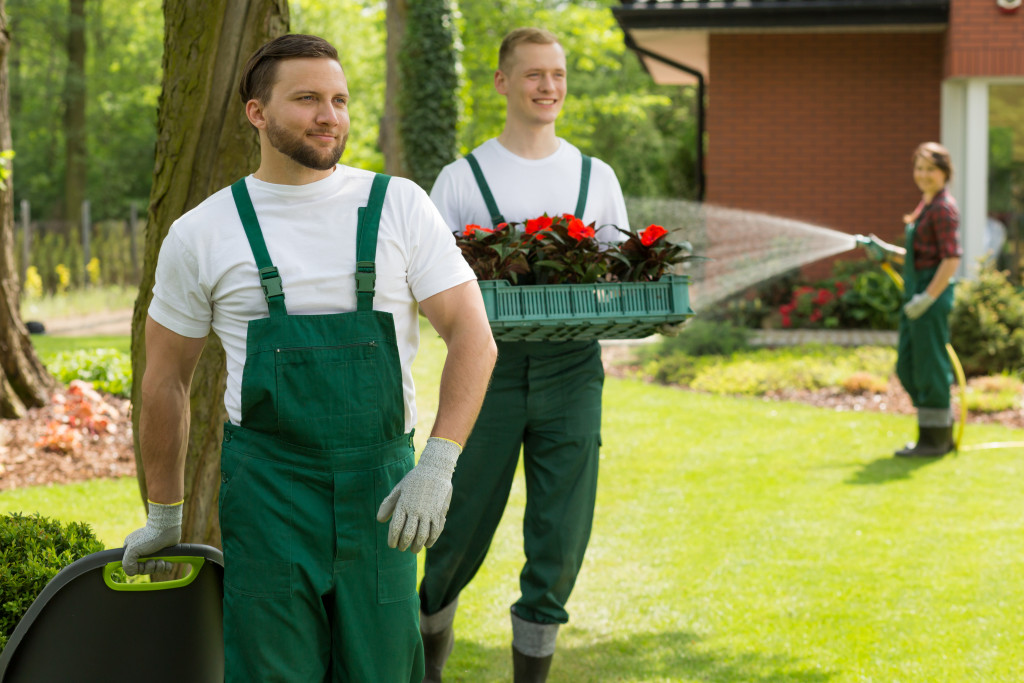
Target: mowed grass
x,y
742,541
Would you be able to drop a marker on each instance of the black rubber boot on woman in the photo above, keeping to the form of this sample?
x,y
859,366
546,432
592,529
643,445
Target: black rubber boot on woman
x,y
932,442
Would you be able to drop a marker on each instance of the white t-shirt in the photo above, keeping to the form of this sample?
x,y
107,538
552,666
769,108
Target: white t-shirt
x,y
206,275
529,188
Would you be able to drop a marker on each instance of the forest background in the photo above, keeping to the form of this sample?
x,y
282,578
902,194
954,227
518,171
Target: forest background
x,y
615,112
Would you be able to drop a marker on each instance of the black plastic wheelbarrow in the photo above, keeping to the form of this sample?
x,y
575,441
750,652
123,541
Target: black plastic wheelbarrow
x,y
86,627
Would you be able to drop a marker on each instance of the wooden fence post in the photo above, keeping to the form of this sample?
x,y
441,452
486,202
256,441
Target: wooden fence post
x,y
133,220
26,238
86,229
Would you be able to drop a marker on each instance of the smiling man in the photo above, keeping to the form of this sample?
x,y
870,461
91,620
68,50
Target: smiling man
x,y
311,274
545,397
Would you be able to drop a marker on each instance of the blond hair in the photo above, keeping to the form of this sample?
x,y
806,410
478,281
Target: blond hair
x,y
520,36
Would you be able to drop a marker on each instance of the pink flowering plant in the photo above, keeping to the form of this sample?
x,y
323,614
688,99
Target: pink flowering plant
x,y
564,250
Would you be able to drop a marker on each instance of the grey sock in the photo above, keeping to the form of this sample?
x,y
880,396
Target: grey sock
x,y
439,620
533,639
934,417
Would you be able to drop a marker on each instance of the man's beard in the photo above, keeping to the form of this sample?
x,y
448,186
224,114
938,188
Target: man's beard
x,y
299,151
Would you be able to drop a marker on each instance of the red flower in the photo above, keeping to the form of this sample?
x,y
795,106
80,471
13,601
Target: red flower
x,y
578,231
840,288
786,321
816,316
501,226
537,224
824,296
786,309
651,234
471,229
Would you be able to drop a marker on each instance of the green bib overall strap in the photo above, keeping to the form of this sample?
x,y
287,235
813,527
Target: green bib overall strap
x,y
366,242
269,278
496,217
492,207
581,203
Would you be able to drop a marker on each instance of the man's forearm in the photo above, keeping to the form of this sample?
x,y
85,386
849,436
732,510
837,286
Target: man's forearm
x,y
163,437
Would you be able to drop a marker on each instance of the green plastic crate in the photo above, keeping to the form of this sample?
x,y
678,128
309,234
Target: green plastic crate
x,y
606,310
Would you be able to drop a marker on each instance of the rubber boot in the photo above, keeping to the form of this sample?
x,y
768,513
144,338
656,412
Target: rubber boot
x,y
932,442
528,669
436,648
438,633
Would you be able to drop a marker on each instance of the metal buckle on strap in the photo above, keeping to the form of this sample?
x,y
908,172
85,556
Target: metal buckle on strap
x,y
366,276
271,283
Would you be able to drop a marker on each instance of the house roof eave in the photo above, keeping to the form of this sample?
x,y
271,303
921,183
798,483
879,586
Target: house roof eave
x,y
780,14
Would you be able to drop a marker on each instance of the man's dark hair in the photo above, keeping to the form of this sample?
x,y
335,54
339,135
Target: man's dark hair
x,y
261,69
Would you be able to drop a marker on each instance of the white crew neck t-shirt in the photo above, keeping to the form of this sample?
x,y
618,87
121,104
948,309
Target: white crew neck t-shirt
x,y
529,188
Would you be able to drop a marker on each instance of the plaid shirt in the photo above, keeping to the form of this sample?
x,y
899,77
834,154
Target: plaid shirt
x,y
938,232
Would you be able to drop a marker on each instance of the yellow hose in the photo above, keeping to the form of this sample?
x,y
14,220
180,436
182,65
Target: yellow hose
x,y
958,369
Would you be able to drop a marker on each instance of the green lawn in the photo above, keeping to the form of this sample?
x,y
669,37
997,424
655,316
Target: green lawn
x,y
744,541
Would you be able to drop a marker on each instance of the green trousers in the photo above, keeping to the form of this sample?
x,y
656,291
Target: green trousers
x,y
923,365
544,398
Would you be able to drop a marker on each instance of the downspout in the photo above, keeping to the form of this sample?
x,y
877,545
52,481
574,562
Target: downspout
x,y
631,44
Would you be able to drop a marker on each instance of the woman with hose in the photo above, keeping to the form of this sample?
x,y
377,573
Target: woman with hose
x,y
930,260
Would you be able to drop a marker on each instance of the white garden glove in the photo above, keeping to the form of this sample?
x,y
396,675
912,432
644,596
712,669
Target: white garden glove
x,y
418,504
918,304
162,530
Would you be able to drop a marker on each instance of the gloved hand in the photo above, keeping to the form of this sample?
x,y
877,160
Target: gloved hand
x,y
918,304
878,249
162,530
418,504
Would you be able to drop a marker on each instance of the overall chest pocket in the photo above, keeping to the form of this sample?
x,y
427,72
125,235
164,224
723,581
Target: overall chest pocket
x,y
328,396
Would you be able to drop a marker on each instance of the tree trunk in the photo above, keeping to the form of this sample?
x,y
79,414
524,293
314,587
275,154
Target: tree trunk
x,y
24,382
204,143
390,140
74,119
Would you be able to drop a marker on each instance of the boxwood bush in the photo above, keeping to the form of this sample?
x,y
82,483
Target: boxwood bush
x,y
32,550
987,325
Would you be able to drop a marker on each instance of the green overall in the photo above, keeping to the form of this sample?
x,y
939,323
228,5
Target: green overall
x,y
922,362
544,397
312,591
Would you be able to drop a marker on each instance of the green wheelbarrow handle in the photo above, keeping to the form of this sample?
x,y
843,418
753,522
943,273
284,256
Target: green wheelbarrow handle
x,y
195,562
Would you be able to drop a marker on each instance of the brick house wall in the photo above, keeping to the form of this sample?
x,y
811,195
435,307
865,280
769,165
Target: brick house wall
x,y
983,41
821,127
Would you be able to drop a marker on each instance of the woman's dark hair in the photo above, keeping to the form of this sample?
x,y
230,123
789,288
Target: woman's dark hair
x,y
261,69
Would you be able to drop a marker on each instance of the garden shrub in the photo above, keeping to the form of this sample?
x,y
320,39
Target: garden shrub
x,y
993,394
707,338
108,370
987,325
32,550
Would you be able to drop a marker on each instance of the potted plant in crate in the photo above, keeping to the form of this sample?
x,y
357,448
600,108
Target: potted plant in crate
x,y
570,286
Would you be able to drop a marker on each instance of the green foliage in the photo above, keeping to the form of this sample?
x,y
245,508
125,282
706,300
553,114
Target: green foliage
x,y
705,338
124,41
428,103
109,370
764,371
32,550
987,325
